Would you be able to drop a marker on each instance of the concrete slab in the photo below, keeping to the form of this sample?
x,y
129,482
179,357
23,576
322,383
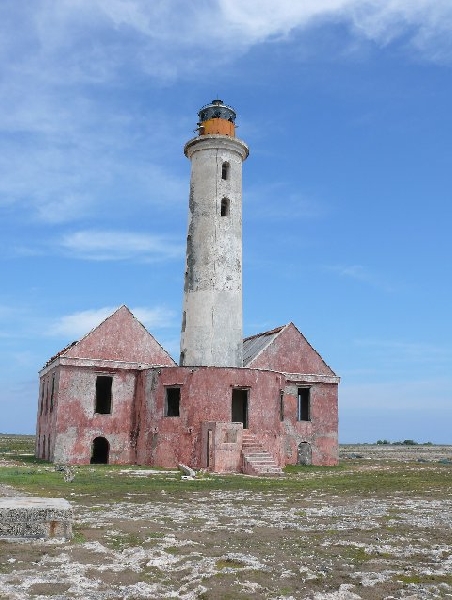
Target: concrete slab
x,y
30,517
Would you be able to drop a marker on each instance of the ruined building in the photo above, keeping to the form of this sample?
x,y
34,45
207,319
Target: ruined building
x,y
248,405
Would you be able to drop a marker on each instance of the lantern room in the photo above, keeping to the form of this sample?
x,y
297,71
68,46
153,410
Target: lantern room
x,y
217,119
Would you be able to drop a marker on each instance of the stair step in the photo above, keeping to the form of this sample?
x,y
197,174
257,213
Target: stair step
x,y
258,453
259,457
257,460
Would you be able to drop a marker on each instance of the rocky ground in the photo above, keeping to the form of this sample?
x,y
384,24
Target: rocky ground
x,y
387,452
379,527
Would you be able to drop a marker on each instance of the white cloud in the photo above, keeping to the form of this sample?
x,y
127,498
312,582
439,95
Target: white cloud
x,y
80,323
120,245
361,274
155,318
90,40
67,155
236,25
63,164
425,24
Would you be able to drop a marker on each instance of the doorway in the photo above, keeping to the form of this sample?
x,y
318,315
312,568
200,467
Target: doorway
x,y
100,451
304,454
209,447
240,407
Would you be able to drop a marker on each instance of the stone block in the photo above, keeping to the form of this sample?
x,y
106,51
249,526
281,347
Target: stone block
x,y
29,517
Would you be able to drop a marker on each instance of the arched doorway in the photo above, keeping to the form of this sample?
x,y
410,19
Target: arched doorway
x,y
304,454
100,451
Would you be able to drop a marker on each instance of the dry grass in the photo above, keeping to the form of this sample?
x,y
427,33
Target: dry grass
x,y
375,528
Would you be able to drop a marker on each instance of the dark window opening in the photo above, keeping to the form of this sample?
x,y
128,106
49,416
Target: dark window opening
x,y
42,396
304,404
224,207
182,358
184,320
103,394
100,451
172,402
52,392
225,171
281,405
240,407
209,447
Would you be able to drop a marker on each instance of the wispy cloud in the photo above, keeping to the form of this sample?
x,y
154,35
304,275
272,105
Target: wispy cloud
x,y
237,25
63,165
361,274
275,201
386,360
66,154
80,323
424,26
397,351
397,395
120,245
156,317
139,32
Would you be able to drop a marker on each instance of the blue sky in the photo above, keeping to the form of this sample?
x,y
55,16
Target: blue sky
x,y
346,107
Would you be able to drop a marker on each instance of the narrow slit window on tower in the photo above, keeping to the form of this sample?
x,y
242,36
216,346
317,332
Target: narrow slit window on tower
x,y
103,394
172,401
224,207
304,404
225,170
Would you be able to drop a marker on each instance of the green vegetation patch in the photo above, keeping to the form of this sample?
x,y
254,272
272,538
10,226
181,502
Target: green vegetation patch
x,y
230,563
419,579
17,444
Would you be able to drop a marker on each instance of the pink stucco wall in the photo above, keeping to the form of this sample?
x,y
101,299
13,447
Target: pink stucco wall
x,y
290,352
206,394
137,430
121,337
320,431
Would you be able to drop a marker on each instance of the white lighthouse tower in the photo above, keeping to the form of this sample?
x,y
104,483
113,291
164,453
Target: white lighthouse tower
x,y
212,309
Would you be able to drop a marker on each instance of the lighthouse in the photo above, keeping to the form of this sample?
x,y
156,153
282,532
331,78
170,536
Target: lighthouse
x,y
231,405
211,332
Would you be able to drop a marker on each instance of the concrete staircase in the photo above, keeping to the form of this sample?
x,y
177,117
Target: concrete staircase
x,y
256,460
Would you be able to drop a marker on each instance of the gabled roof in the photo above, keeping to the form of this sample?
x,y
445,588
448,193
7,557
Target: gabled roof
x,y
254,344
283,349
119,337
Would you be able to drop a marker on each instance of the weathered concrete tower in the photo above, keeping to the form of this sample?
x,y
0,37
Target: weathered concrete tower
x,y
212,309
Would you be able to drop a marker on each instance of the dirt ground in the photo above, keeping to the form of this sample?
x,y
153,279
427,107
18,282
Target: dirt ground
x,y
379,527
